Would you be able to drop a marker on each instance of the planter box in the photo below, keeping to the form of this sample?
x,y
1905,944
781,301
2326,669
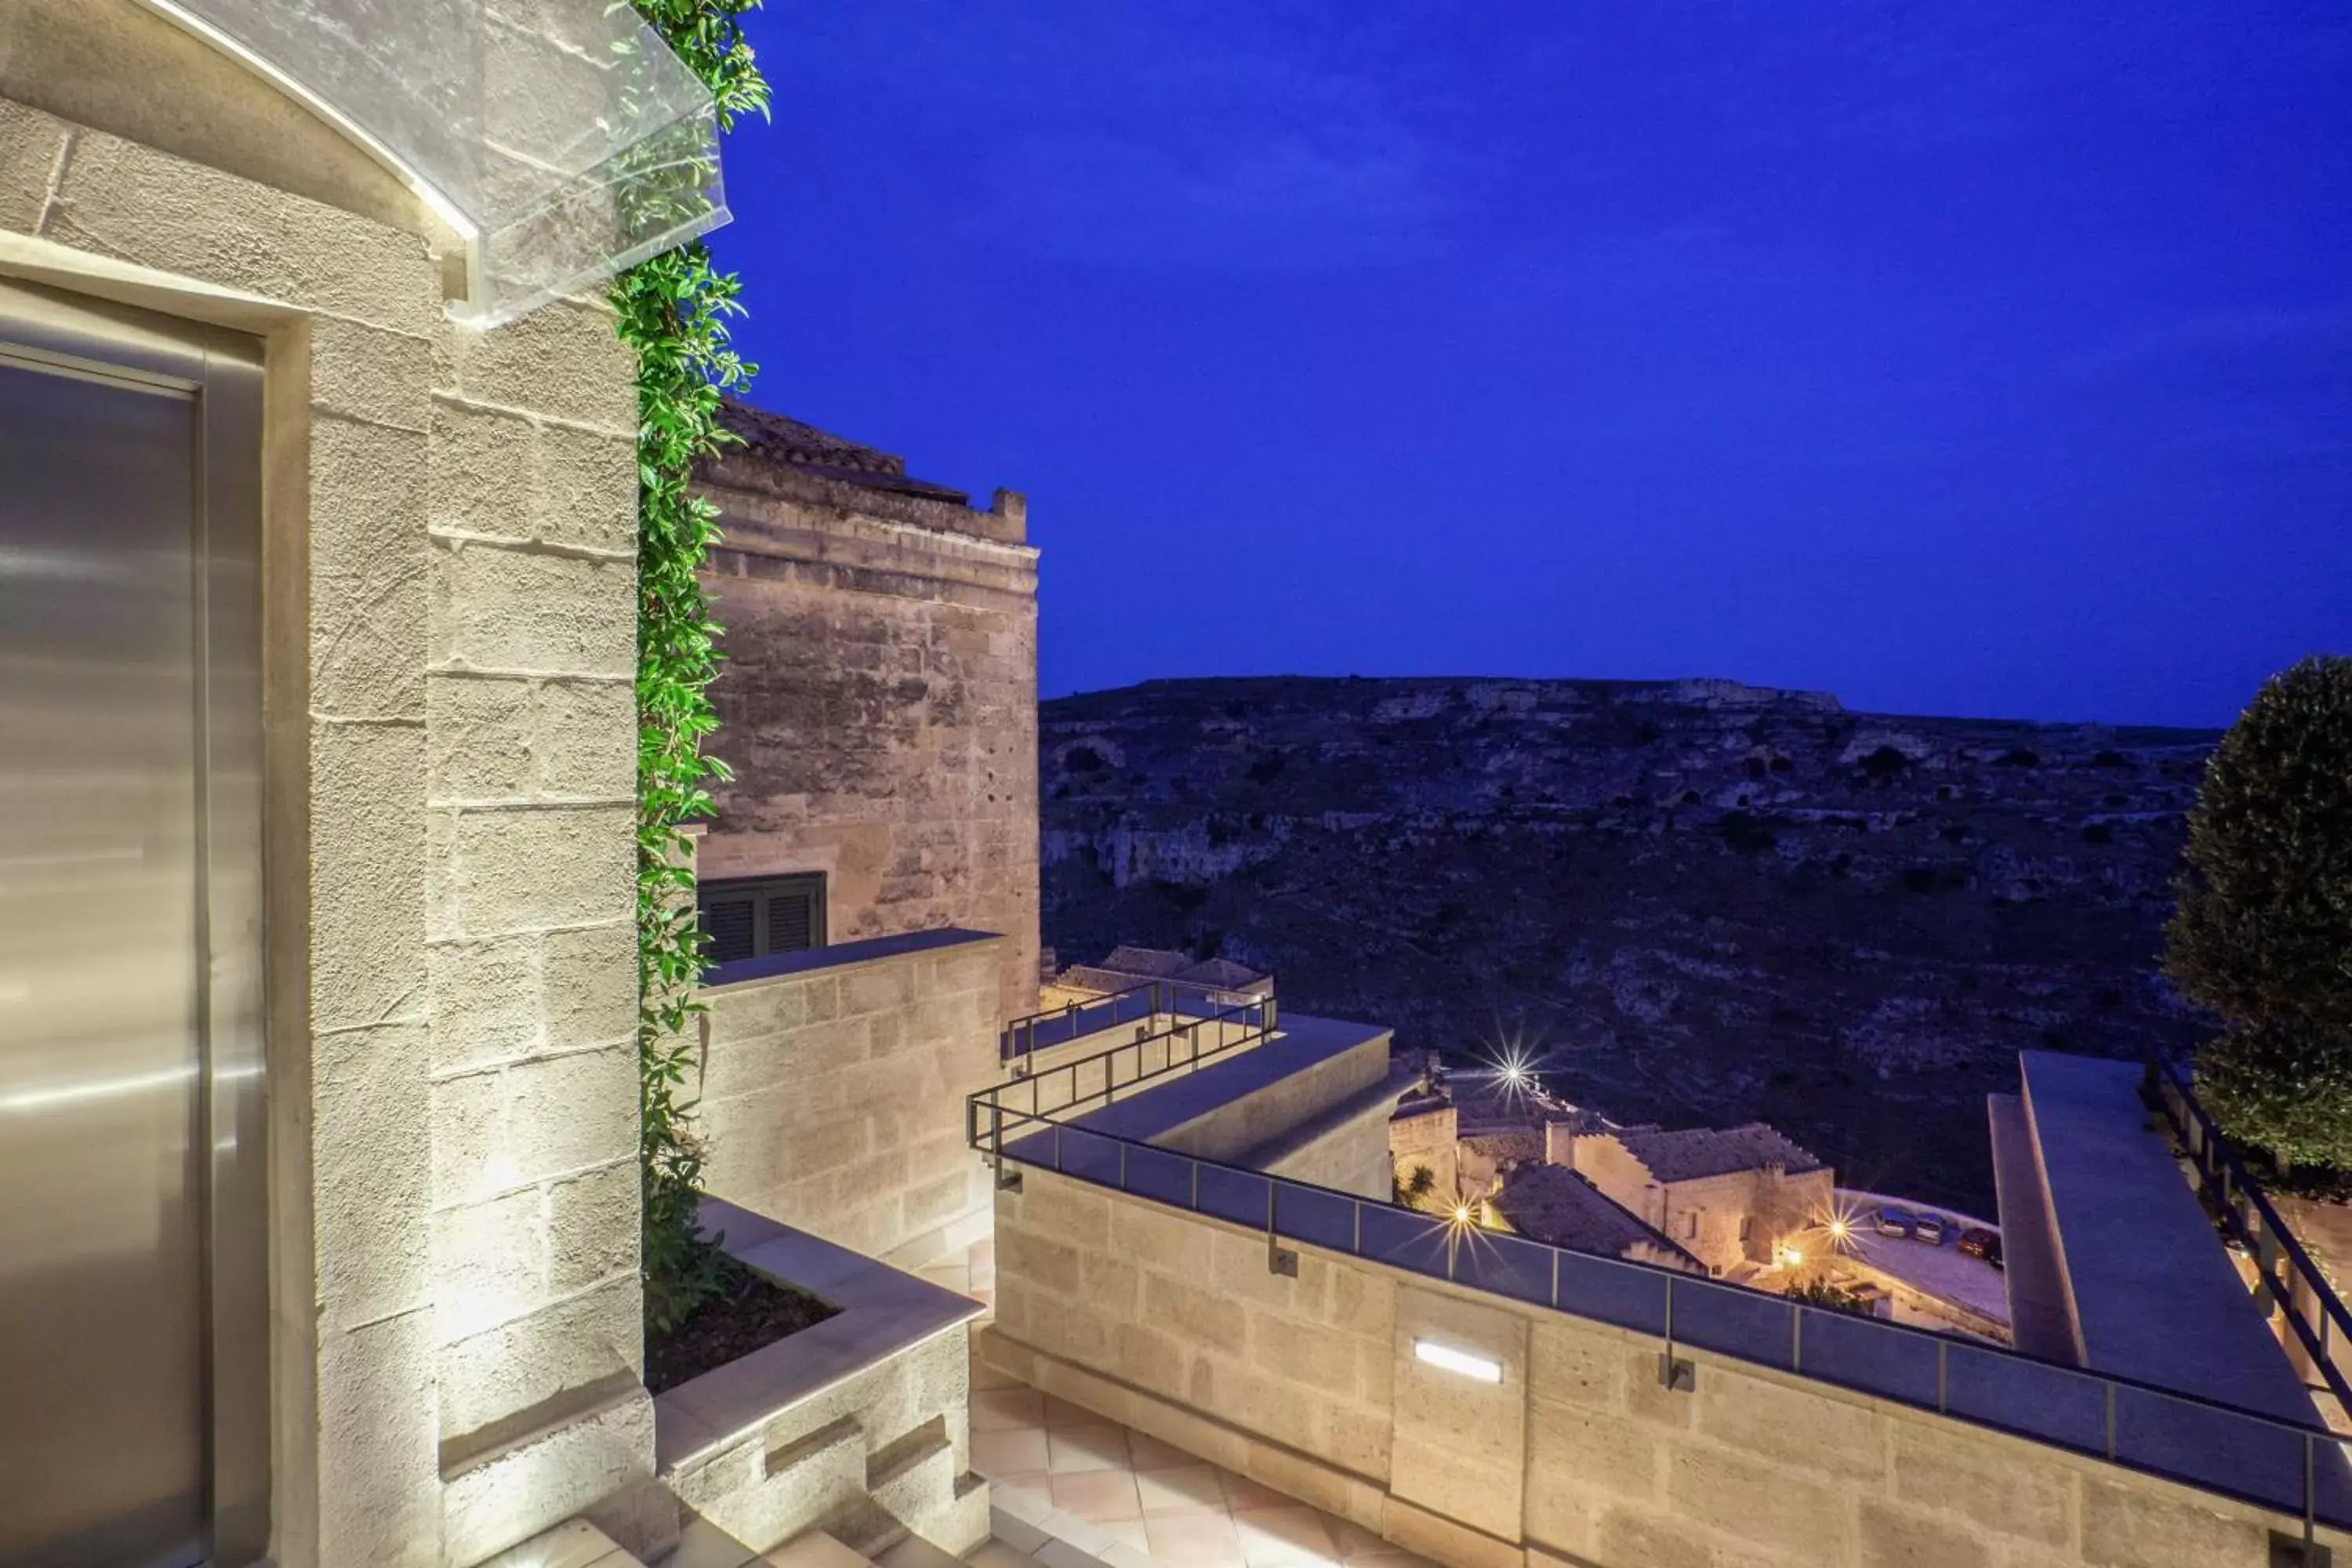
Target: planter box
x,y
858,1426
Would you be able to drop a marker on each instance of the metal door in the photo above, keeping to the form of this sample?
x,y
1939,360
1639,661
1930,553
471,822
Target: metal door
x,y
132,1399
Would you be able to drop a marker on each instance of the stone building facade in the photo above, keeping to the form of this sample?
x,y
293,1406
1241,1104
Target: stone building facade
x,y
879,701
447,610
1727,1195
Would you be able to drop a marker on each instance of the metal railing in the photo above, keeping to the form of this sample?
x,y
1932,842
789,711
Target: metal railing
x,y
2291,1468
1178,1047
2286,1276
1025,1037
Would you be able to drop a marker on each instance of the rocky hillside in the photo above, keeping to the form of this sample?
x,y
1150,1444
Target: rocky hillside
x,y
1700,900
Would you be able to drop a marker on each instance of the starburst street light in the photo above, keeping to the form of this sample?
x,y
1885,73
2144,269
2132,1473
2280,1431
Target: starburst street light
x,y
1511,1068
1838,1226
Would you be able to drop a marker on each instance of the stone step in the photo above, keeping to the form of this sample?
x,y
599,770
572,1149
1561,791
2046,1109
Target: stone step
x,y
917,1552
813,1549
576,1543
704,1545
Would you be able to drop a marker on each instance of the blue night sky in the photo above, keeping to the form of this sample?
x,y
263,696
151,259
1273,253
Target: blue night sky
x,y
1991,358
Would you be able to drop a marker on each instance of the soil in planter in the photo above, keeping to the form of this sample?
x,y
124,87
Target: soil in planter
x,y
749,1310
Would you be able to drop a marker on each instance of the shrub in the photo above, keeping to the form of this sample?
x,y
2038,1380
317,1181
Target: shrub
x,y
2262,935
1411,1189
1829,1298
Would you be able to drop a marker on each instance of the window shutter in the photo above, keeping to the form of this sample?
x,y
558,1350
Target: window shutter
x,y
728,922
748,917
791,919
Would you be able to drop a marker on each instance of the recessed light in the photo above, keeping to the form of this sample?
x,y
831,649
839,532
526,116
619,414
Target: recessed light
x,y
1460,1362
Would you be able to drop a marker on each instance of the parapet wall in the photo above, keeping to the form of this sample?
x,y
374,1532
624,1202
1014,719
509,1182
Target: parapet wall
x,y
1176,1326
833,1093
879,707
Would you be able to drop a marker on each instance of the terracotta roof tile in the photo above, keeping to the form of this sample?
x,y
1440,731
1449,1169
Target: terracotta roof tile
x,y
1553,1203
1698,1151
781,439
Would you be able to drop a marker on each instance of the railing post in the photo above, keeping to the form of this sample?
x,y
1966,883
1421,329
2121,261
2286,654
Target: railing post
x,y
1555,1278
1943,1377
2310,1497
1122,1164
1796,1339
2111,1423
1058,1147
1196,1186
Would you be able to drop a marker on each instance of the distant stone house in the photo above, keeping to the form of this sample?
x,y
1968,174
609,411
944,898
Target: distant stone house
x,y
1727,1195
1423,1136
1554,1204
878,703
1124,966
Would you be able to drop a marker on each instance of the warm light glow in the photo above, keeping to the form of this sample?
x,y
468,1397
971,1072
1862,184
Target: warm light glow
x,y
1461,1363
1512,1068
1460,1213
1839,1227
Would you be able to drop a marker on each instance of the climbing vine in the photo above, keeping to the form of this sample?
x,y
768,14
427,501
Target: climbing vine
x,y
672,310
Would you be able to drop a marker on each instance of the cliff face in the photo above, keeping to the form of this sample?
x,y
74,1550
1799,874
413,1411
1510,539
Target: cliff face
x,y
1699,901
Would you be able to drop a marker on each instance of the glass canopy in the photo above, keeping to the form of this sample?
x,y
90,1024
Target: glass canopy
x,y
561,138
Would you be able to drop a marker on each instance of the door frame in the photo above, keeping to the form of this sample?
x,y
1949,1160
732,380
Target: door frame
x,y
52,331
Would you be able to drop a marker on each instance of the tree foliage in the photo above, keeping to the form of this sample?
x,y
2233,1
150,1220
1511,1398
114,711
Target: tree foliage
x,y
672,311
1829,1298
2262,935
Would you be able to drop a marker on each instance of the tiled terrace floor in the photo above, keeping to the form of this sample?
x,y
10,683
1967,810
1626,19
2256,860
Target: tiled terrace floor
x,y
1052,1462
1073,1491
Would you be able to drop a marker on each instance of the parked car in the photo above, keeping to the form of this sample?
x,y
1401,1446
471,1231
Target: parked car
x,y
1892,1221
1979,1242
1929,1229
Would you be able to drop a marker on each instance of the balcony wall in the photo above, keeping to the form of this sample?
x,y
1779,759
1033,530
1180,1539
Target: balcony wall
x,y
832,1085
1175,1326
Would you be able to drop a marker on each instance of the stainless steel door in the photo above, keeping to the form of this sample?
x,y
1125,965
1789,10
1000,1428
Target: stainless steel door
x,y
130,1061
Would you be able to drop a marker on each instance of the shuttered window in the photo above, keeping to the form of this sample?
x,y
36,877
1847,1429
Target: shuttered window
x,y
746,917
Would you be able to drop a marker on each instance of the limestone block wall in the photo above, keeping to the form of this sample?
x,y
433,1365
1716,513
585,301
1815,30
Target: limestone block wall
x,y
1603,1162
1245,1122
1427,1139
1346,1150
883,1451
1174,1325
831,1099
448,586
879,707
1191,1314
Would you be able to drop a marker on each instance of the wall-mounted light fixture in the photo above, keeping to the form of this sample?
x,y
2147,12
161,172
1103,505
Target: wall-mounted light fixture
x,y
1460,1362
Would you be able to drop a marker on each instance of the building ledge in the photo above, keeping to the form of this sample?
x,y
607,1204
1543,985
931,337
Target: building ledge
x,y
882,1313
2154,1295
840,956
2039,1324
1164,1112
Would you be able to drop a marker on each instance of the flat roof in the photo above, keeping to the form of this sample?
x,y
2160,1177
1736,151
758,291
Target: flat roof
x,y
1157,1108
2156,1295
